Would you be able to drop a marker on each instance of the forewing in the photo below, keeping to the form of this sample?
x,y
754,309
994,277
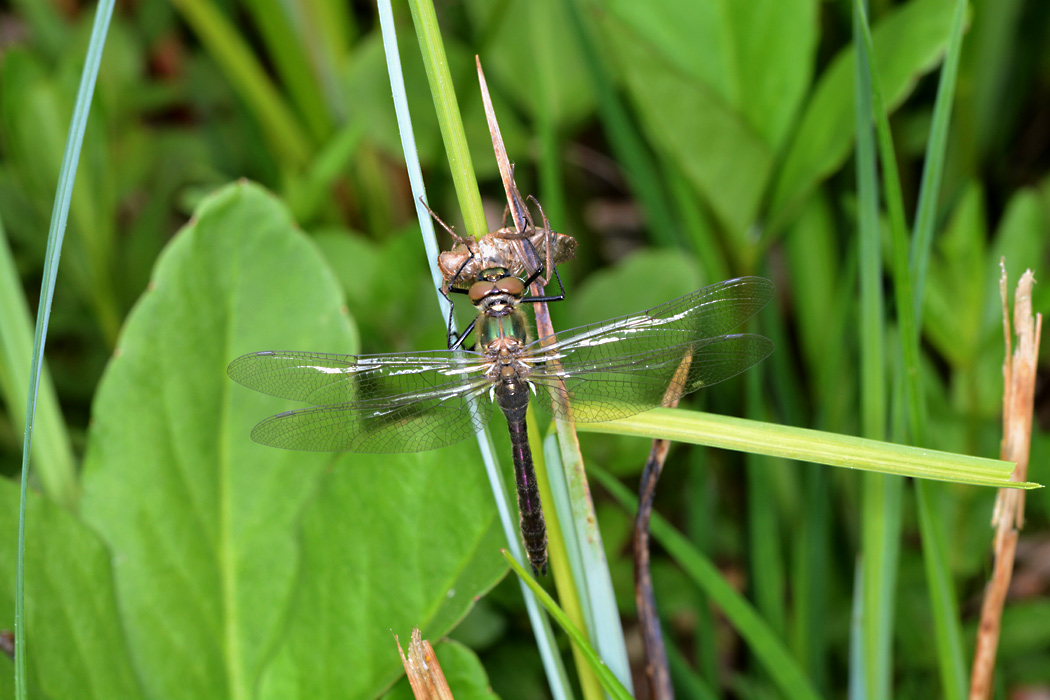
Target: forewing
x,y
433,419
322,378
631,364
705,313
597,389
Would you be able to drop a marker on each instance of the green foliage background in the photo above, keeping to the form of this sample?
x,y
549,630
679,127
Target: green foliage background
x,y
680,142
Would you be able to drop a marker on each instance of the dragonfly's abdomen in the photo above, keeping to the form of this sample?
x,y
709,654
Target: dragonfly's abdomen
x,y
533,527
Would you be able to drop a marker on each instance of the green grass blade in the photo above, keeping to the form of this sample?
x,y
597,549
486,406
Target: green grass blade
x,y
59,216
589,566
933,164
882,494
807,445
52,452
764,643
249,80
909,336
285,28
942,595
428,34
872,333
609,682
944,604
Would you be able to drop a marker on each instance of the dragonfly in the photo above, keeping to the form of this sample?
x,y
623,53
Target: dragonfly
x,y
412,402
526,250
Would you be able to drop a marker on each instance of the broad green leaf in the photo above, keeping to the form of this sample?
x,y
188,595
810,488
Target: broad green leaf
x,y
368,571
717,85
76,646
909,42
696,128
774,46
756,56
215,539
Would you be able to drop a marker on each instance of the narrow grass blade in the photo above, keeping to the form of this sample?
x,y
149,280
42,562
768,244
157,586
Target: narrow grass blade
x,y
52,452
942,595
59,216
933,163
608,680
428,34
764,643
882,494
807,445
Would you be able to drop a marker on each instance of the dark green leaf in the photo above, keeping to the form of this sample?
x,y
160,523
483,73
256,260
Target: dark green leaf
x,y
225,550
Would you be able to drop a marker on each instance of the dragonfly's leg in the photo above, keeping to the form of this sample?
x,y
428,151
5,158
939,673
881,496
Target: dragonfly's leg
x,y
451,231
455,340
452,288
560,296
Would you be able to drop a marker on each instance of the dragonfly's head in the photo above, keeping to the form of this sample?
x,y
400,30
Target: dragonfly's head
x,y
496,289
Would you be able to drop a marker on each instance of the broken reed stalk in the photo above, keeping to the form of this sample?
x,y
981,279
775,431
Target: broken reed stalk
x,y
1008,517
423,670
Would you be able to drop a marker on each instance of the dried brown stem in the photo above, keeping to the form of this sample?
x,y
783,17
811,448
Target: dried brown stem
x,y
1019,369
656,668
423,670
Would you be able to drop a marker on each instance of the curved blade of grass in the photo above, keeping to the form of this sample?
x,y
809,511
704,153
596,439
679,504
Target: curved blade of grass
x,y
764,643
942,594
557,677
808,445
882,494
52,453
933,164
609,682
55,234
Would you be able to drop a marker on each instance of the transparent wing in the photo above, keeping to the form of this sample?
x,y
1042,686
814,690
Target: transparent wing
x,y
427,423
631,364
369,403
592,389
321,378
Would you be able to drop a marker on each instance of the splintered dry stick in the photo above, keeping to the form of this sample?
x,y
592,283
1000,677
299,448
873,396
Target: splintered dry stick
x,y
423,670
1008,516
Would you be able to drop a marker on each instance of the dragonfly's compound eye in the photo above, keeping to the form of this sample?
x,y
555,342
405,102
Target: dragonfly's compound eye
x,y
511,285
480,290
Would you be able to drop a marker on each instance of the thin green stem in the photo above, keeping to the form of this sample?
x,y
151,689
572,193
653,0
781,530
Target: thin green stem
x,y
428,34
807,445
